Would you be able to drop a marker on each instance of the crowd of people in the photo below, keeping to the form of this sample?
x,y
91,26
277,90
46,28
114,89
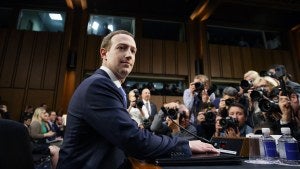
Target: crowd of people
x,y
45,130
269,100
106,124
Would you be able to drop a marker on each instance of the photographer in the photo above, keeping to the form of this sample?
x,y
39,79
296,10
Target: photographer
x,y
289,109
174,114
229,96
266,90
235,124
279,72
206,120
198,92
135,109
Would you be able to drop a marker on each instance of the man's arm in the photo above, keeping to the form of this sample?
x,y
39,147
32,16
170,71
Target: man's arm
x,y
188,99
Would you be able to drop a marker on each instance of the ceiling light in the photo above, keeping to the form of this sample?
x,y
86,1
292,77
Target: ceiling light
x,y
55,16
110,27
95,25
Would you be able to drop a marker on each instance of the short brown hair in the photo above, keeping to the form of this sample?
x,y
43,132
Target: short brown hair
x,y
106,42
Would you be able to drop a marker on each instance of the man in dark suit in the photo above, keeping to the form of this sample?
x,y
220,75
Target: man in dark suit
x,y
99,131
15,146
150,107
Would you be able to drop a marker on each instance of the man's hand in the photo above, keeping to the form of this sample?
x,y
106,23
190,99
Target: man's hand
x,y
286,108
200,147
231,132
171,105
171,124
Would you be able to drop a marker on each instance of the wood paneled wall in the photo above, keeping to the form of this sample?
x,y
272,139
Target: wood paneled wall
x,y
30,71
231,62
153,56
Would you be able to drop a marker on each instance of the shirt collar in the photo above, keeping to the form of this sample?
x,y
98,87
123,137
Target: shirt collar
x,y
111,76
146,101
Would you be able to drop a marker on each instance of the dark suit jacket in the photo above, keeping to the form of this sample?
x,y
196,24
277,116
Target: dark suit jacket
x,y
153,111
15,146
99,130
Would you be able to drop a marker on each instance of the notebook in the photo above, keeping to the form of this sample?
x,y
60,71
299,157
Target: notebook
x,y
201,159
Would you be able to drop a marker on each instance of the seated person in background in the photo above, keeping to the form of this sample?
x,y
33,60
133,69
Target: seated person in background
x,y
135,109
53,125
234,125
60,124
5,114
40,145
175,114
26,122
27,112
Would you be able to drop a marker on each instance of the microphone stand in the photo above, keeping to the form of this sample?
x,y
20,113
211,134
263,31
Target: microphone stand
x,y
200,138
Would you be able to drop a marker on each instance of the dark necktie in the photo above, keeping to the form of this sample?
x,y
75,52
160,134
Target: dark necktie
x,y
148,107
124,96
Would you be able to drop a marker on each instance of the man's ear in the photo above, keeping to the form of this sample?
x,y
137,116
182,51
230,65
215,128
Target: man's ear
x,y
103,53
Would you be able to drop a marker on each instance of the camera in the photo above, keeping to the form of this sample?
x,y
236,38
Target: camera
x,y
246,85
146,123
229,101
210,118
139,102
269,106
199,86
280,71
258,94
229,122
172,113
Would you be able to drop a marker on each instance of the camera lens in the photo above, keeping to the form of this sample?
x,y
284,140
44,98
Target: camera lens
x,y
268,106
256,95
229,101
245,84
199,86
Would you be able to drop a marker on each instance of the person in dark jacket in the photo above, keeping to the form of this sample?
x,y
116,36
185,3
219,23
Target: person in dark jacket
x,y
99,132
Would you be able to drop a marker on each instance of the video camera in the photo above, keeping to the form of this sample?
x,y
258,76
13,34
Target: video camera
x,y
139,102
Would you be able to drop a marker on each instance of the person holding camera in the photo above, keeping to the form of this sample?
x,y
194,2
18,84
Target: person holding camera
x,y
289,112
199,92
279,72
174,120
206,120
264,90
135,108
234,125
229,96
